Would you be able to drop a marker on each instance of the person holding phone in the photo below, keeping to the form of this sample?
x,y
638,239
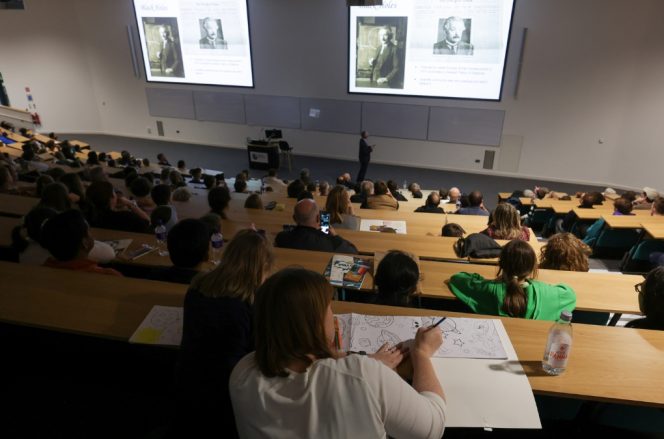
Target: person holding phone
x,y
307,234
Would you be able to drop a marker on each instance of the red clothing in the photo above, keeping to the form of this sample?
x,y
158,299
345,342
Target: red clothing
x,y
525,233
81,265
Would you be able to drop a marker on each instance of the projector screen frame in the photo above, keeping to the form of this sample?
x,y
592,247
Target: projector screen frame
x,y
145,67
502,81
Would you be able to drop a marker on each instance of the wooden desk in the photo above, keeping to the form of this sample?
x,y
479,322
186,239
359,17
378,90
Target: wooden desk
x,y
42,138
656,231
81,145
64,301
16,204
12,152
631,221
15,137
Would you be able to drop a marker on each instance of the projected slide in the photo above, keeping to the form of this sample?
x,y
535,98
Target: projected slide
x,y
442,48
195,42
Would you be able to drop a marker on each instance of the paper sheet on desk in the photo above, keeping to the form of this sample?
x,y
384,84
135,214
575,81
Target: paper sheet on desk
x,y
488,393
162,326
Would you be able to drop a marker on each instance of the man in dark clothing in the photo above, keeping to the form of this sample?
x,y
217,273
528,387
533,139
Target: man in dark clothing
x,y
308,236
365,156
475,205
432,205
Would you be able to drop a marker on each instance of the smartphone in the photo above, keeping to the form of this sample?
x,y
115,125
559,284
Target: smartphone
x,y
324,221
141,251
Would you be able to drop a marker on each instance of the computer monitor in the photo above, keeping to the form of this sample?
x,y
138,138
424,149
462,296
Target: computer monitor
x,y
273,134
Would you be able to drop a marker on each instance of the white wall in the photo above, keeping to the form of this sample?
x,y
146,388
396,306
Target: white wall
x,y
591,71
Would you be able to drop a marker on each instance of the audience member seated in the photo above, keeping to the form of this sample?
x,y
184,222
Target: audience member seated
x,y
188,247
253,201
475,205
303,386
323,188
161,196
514,292
621,207
366,190
240,186
646,199
651,301
564,251
432,204
56,196
32,162
273,181
657,207
217,332
213,222
341,209
93,159
311,187
7,183
453,230
141,188
295,188
565,225
115,212
394,190
305,195
454,196
505,223
67,238
196,176
382,199
307,234
182,167
175,179
305,176
97,174
218,199
415,190
162,160
396,279
209,181
43,181
443,193
345,180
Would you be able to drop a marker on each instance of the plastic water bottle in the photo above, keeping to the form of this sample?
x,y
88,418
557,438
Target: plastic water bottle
x,y
217,242
558,345
160,236
405,184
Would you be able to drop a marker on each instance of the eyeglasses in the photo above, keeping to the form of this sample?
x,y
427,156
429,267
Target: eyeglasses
x,y
639,287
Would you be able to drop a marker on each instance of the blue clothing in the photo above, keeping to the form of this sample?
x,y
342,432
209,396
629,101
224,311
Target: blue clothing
x,y
472,211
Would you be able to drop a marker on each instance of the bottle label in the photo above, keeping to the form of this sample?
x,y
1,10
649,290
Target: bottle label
x,y
216,244
558,354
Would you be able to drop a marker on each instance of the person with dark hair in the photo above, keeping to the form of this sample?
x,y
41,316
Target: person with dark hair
x,y
32,162
651,301
42,181
443,193
295,188
182,167
630,196
240,186
475,205
330,394
97,174
162,160
196,175
305,176
141,188
253,201
453,230
514,292
176,180
432,204
112,211
364,156
188,246
218,199
93,159
209,181
217,332
382,199
273,181
622,206
213,223
308,236
311,187
56,196
67,238
394,190
564,251
396,279
305,195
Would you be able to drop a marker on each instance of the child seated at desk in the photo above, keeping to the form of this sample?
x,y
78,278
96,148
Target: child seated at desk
x,y
564,251
298,384
651,301
513,293
396,279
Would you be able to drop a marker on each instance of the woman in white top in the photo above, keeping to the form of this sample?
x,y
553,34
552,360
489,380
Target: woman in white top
x,y
297,385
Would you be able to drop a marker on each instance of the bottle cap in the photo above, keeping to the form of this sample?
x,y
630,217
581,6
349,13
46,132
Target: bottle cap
x,y
566,316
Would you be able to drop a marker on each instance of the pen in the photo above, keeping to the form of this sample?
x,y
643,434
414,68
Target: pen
x,y
439,322
337,338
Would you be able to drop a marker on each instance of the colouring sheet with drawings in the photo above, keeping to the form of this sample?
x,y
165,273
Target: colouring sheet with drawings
x,y
462,337
162,326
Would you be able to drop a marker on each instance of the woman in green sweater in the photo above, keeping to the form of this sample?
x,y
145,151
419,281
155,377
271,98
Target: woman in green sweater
x,y
514,293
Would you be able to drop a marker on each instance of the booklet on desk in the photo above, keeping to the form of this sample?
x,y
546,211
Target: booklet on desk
x,y
348,271
162,326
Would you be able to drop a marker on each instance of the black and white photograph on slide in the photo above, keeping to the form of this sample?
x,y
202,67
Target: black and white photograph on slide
x,y
212,34
453,37
381,51
163,46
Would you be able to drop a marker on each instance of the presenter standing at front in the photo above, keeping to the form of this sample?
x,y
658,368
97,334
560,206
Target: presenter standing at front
x,y
365,155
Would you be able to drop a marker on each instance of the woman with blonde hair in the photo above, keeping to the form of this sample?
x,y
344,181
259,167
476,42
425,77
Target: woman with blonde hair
x,y
217,332
564,251
505,223
299,384
341,209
